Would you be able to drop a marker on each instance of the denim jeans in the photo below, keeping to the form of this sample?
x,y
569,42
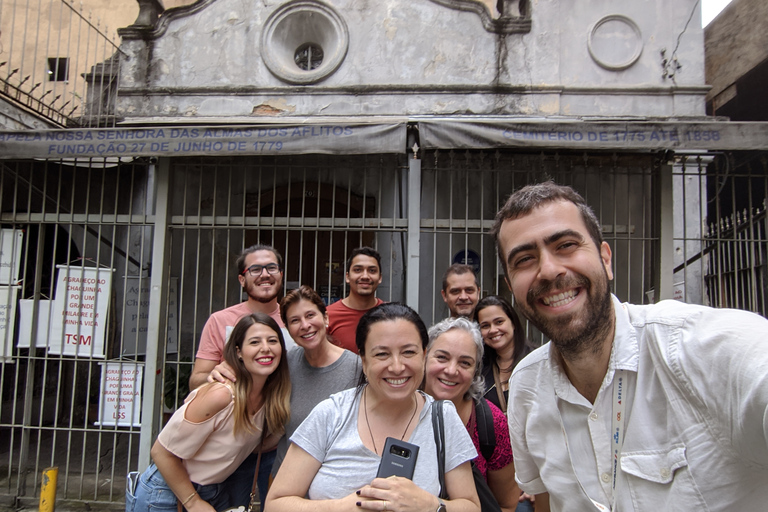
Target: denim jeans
x,y
153,494
240,482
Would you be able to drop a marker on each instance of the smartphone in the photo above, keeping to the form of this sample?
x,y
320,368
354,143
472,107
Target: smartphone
x,y
398,459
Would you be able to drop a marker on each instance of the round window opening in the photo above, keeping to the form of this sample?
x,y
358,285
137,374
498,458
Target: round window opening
x,y
308,56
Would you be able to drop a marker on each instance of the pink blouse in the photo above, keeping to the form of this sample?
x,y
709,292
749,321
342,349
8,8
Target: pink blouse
x,y
209,450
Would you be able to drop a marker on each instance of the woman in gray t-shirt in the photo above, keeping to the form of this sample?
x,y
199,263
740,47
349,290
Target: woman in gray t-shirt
x,y
318,367
334,455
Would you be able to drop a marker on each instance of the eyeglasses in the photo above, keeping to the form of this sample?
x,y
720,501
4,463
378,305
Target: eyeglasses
x,y
255,270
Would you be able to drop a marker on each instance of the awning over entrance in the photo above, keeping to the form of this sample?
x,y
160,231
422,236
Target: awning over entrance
x,y
342,138
491,133
351,136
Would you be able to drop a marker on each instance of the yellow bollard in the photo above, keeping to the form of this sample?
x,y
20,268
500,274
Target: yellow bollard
x,y
48,489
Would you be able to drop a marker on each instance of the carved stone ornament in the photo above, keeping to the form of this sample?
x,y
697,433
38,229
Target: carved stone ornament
x,y
615,42
304,41
514,18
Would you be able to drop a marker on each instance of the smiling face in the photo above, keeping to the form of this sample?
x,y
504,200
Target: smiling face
x,y
261,350
363,276
306,324
394,360
497,329
461,294
559,278
451,365
264,287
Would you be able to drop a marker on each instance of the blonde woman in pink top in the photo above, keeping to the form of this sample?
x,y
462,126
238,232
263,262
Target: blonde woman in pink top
x,y
219,425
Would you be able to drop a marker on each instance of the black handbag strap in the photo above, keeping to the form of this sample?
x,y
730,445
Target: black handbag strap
x,y
486,434
439,431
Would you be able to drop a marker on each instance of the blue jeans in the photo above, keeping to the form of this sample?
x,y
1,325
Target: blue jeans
x,y
153,494
240,482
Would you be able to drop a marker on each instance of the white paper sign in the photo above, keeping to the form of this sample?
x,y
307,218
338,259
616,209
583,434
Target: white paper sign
x,y
80,311
120,397
136,314
8,296
10,255
25,323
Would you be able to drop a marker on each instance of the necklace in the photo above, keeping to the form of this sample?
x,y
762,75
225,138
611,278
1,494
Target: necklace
x,y
370,432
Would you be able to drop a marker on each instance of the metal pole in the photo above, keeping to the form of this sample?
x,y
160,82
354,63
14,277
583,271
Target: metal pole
x,y
29,402
666,254
414,232
156,336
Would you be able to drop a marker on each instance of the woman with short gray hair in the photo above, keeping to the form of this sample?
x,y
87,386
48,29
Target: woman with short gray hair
x,y
453,371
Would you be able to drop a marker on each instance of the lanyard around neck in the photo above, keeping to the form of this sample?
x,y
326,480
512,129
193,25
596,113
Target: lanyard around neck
x,y
617,431
617,436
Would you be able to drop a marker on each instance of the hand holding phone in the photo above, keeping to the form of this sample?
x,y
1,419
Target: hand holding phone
x,y
398,459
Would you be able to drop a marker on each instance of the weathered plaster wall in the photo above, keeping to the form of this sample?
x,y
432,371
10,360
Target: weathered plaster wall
x,y
14,118
418,57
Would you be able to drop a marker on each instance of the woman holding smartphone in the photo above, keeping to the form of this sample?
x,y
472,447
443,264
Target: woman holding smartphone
x,y
334,455
219,425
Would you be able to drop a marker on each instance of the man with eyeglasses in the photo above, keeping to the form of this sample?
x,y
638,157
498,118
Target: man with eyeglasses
x,y
260,272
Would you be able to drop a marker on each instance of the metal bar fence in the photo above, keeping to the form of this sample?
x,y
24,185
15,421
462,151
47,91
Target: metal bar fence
x,y
464,190
721,236
61,217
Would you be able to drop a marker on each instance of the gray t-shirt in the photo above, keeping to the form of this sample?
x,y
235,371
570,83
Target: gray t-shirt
x,y
310,386
329,434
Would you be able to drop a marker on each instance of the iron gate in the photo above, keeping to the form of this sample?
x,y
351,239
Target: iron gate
x,y
167,234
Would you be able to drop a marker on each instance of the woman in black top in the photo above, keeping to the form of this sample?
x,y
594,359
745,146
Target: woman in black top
x,y
505,346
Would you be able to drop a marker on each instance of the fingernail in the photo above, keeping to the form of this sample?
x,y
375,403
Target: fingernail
x,y
358,503
357,492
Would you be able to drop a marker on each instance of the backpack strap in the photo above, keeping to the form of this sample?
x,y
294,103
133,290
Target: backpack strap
x,y
439,431
486,433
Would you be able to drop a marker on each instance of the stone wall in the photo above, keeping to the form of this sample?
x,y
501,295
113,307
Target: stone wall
x,y
234,58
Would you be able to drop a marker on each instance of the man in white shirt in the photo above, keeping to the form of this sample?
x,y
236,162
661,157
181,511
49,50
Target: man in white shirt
x,y
645,408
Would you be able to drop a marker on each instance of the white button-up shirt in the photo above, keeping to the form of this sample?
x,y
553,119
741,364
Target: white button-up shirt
x,y
696,420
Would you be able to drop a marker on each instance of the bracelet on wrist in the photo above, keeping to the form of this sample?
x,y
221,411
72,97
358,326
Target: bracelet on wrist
x,y
183,503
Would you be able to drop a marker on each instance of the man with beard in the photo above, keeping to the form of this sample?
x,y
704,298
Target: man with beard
x,y
260,272
364,277
460,290
645,408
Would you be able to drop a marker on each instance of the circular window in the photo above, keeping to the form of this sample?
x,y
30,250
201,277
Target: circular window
x,y
615,42
304,41
308,56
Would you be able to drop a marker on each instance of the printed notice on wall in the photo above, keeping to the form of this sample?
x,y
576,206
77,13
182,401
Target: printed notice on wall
x,y
8,296
10,255
120,397
136,315
25,323
79,315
